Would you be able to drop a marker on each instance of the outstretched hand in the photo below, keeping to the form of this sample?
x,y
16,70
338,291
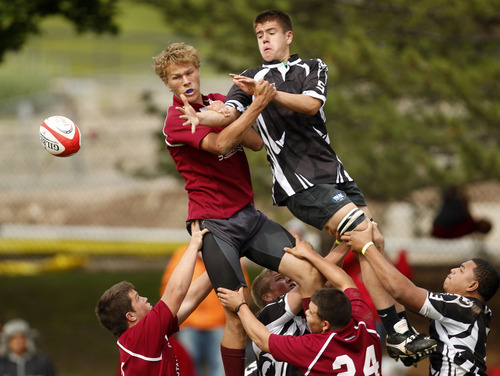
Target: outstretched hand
x,y
229,298
301,250
188,114
197,234
358,239
220,107
246,84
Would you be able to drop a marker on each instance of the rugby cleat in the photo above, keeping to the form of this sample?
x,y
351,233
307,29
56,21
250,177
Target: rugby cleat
x,y
410,348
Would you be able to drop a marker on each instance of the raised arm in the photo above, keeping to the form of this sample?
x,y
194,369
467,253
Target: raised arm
x,y
207,118
333,273
257,331
178,284
234,133
198,291
397,285
300,103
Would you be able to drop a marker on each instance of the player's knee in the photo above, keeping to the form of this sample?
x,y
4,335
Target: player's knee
x,y
310,277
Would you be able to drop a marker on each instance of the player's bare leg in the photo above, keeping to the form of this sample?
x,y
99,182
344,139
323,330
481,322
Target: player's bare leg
x,y
302,272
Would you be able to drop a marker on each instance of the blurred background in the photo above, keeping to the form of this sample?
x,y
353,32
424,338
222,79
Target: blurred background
x,y
413,111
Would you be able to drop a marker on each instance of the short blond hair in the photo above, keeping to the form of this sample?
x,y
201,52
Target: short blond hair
x,y
176,53
261,286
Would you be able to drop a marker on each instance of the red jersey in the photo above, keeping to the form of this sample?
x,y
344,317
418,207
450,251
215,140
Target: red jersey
x,y
217,185
353,350
145,349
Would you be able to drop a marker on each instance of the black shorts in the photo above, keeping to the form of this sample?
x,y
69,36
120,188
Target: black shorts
x,y
316,205
248,233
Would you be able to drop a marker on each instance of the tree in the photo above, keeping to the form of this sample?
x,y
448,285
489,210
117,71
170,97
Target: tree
x,y
413,95
20,19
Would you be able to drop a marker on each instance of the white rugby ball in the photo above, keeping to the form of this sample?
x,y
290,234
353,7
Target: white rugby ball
x,y
60,136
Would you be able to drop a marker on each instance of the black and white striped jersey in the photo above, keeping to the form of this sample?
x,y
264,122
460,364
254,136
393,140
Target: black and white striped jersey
x,y
298,146
279,319
461,326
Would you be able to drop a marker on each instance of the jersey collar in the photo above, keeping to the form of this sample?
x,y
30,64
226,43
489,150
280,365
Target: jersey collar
x,y
196,106
294,59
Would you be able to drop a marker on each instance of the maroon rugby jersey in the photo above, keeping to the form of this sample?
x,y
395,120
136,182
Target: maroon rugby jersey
x,y
217,185
145,349
354,350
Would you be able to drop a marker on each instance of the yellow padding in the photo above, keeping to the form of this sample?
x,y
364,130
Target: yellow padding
x,y
85,247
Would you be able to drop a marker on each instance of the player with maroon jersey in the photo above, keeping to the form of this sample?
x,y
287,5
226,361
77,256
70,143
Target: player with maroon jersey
x,y
214,166
344,338
142,330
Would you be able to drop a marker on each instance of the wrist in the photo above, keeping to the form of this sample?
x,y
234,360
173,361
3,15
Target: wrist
x,y
365,247
236,310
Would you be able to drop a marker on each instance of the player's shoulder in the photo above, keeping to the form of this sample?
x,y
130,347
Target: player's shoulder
x,y
251,72
272,311
215,97
316,62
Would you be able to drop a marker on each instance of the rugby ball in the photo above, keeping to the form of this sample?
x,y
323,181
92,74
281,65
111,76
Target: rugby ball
x,y
60,136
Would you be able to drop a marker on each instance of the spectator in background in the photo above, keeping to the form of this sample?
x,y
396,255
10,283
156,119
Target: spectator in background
x,y
454,219
20,357
201,333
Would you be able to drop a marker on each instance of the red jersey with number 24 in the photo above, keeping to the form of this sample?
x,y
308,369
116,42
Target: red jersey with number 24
x,y
354,350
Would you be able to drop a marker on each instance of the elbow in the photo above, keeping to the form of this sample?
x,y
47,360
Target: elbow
x,y
313,110
223,148
263,344
257,146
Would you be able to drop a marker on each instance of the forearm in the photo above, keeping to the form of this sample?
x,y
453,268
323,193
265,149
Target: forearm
x,y
333,273
396,284
300,103
211,118
198,291
235,133
180,280
337,254
257,332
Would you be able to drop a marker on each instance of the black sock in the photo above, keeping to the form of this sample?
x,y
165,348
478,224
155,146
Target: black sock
x,y
402,315
389,318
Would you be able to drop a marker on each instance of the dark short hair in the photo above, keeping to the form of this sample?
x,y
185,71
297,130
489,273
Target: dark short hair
x,y
488,278
274,15
333,306
112,307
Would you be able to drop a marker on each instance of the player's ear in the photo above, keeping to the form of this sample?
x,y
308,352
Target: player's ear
x,y
473,286
131,316
325,326
267,297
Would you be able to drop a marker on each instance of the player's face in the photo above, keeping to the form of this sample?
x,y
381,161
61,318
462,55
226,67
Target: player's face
x,y
280,284
185,79
274,42
460,279
140,304
313,321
